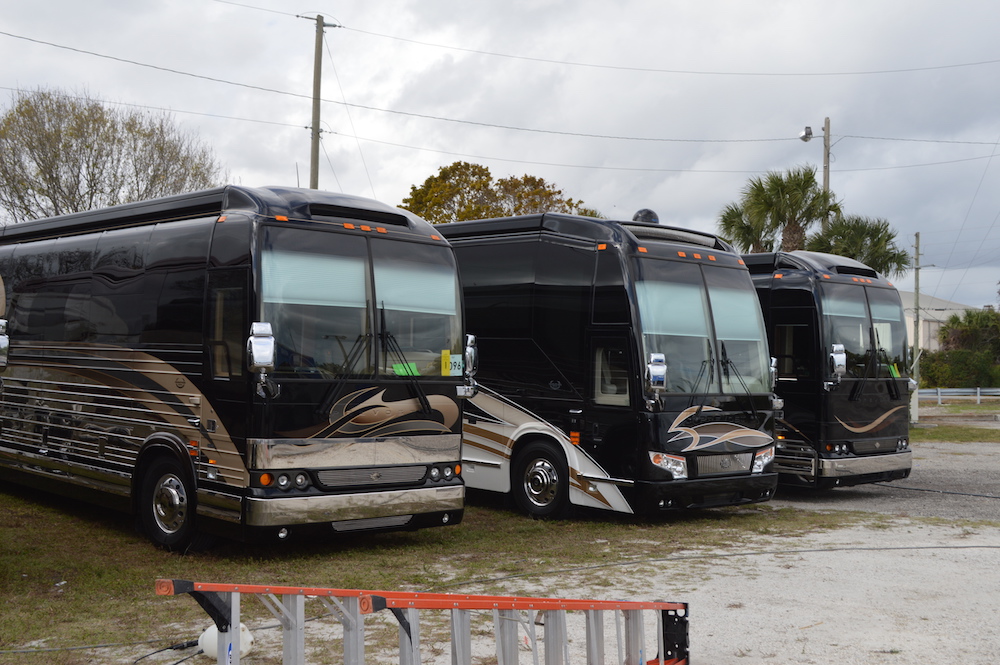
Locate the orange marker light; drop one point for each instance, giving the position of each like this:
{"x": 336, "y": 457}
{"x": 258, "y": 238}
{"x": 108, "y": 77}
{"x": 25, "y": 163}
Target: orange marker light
{"x": 281, "y": 218}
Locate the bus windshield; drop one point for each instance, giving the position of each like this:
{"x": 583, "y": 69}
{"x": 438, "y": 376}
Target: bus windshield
{"x": 708, "y": 326}
{"x": 337, "y": 310}
{"x": 739, "y": 327}
{"x": 889, "y": 325}
{"x": 865, "y": 324}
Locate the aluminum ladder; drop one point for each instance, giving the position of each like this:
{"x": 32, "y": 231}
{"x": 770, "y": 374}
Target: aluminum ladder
{"x": 511, "y": 614}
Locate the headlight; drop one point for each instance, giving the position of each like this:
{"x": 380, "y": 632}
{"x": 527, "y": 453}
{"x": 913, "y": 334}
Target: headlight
{"x": 301, "y": 481}
{"x": 676, "y": 465}
{"x": 435, "y": 473}
{"x": 762, "y": 458}
{"x": 284, "y": 482}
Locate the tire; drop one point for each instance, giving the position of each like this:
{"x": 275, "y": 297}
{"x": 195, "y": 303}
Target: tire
{"x": 540, "y": 481}
{"x": 167, "y": 505}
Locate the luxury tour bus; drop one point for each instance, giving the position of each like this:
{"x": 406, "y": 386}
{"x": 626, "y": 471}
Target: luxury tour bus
{"x": 623, "y": 366}
{"x": 837, "y": 330}
{"x": 253, "y": 363}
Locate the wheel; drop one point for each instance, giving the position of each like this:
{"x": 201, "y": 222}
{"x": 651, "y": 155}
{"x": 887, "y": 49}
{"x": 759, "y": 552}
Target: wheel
{"x": 167, "y": 509}
{"x": 540, "y": 480}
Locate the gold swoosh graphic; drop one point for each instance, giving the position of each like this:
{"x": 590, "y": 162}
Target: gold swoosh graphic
{"x": 868, "y": 428}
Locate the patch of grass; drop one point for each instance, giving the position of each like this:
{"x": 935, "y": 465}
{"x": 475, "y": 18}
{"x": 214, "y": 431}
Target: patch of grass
{"x": 72, "y": 574}
{"x": 955, "y": 434}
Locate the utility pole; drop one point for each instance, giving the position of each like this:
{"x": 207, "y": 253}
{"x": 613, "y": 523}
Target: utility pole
{"x": 317, "y": 78}
{"x": 915, "y": 374}
{"x": 807, "y": 135}
{"x": 826, "y": 169}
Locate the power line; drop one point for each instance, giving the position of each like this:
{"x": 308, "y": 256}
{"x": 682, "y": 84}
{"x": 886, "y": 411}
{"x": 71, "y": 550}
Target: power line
{"x": 652, "y": 70}
{"x": 690, "y": 72}
{"x": 426, "y": 116}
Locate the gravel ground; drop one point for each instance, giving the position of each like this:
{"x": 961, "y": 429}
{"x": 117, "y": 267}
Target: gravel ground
{"x": 906, "y": 594}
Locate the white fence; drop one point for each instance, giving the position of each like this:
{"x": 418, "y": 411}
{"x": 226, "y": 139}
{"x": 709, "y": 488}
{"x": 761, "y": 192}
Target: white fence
{"x": 939, "y": 394}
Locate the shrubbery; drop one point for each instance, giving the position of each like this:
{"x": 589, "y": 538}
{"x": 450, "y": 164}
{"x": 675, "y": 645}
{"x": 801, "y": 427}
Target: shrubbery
{"x": 959, "y": 368}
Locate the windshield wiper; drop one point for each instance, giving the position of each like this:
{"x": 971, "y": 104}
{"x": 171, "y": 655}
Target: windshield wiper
{"x": 360, "y": 346}
{"x": 883, "y": 354}
{"x": 726, "y": 364}
{"x": 390, "y": 345}
{"x": 710, "y": 363}
{"x": 859, "y": 387}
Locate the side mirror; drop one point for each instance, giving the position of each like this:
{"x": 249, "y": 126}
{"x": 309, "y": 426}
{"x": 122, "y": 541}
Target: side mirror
{"x": 4, "y": 344}
{"x": 656, "y": 371}
{"x": 838, "y": 361}
{"x": 471, "y": 358}
{"x": 838, "y": 366}
{"x": 262, "y": 357}
{"x": 774, "y": 372}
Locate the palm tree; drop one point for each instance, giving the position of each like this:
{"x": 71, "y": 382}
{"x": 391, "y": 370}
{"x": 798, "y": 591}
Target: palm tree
{"x": 788, "y": 203}
{"x": 864, "y": 239}
{"x": 746, "y": 234}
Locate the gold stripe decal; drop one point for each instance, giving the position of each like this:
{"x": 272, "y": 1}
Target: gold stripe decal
{"x": 876, "y": 424}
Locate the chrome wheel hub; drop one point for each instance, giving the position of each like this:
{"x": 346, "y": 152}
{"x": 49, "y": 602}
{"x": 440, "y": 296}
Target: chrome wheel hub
{"x": 541, "y": 482}
{"x": 170, "y": 504}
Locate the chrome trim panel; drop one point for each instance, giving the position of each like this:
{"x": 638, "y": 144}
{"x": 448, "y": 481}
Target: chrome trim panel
{"x": 370, "y": 505}
{"x": 860, "y": 466}
{"x": 221, "y": 506}
{"x": 272, "y": 454}
{"x": 625, "y": 482}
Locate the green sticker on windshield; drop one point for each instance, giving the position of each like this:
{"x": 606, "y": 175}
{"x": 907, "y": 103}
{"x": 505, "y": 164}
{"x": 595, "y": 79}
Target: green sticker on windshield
{"x": 405, "y": 369}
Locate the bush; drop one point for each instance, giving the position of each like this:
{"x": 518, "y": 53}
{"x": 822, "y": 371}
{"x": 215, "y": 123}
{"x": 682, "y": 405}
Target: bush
{"x": 959, "y": 368}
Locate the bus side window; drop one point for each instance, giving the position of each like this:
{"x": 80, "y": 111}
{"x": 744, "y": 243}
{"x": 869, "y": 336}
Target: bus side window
{"x": 611, "y": 376}
{"x": 228, "y": 327}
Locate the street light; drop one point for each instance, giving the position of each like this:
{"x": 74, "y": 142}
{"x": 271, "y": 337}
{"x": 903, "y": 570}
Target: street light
{"x": 806, "y": 134}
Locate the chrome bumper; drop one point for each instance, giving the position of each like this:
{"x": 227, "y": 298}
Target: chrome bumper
{"x": 339, "y": 508}
{"x": 862, "y": 466}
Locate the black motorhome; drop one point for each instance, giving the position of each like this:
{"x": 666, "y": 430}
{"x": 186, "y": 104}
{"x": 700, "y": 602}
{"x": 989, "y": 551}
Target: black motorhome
{"x": 837, "y": 330}
{"x": 260, "y": 363}
{"x": 623, "y": 366}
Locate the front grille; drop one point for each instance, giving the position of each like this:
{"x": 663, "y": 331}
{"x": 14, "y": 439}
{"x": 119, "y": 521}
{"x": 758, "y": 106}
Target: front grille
{"x": 370, "y": 477}
{"x": 728, "y": 464}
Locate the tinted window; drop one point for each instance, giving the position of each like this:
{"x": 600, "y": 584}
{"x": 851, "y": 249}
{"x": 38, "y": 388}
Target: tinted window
{"x": 498, "y": 281}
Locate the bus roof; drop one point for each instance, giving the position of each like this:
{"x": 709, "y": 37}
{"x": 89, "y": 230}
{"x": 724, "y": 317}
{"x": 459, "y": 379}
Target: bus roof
{"x": 587, "y": 228}
{"x": 817, "y": 262}
{"x": 291, "y": 202}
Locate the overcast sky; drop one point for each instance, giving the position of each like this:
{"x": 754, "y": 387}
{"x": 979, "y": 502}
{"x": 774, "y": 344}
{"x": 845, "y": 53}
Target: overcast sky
{"x": 664, "y": 104}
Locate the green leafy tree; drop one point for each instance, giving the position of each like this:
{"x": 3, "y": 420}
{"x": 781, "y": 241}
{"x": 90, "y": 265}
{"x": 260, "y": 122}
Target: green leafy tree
{"x": 61, "y": 154}
{"x": 784, "y": 204}
{"x": 462, "y": 191}
{"x": 970, "y": 352}
{"x": 871, "y": 241}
